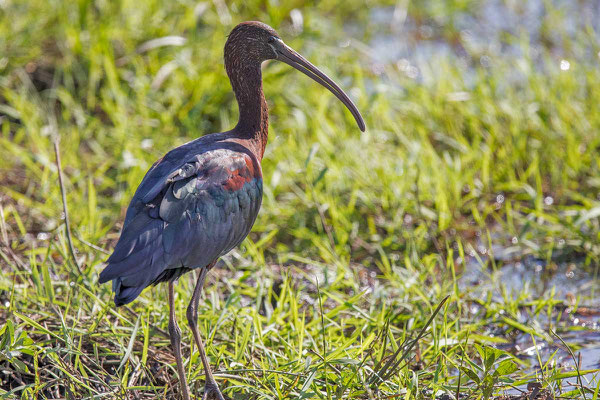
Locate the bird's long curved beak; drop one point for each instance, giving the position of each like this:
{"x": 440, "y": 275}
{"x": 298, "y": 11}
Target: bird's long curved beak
{"x": 291, "y": 57}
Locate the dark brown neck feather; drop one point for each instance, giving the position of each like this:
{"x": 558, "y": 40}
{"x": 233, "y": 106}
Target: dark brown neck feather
{"x": 246, "y": 81}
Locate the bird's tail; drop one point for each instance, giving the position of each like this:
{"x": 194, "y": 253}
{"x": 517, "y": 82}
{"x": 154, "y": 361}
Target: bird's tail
{"x": 137, "y": 260}
{"x": 125, "y": 294}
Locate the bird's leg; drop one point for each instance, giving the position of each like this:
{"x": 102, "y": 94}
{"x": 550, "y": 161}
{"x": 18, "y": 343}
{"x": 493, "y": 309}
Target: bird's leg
{"x": 210, "y": 386}
{"x": 175, "y": 335}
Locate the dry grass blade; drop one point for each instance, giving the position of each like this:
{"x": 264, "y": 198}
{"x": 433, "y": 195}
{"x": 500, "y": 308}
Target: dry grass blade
{"x": 64, "y": 204}
{"x": 579, "y": 381}
{"x": 131, "y": 342}
{"x": 392, "y": 364}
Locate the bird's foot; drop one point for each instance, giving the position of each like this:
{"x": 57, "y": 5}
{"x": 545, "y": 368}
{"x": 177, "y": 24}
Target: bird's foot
{"x": 212, "y": 392}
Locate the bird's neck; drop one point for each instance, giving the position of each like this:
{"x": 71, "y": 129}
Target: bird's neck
{"x": 253, "y": 125}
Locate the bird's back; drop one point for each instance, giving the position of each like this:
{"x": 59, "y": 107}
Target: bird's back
{"x": 195, "y": 204}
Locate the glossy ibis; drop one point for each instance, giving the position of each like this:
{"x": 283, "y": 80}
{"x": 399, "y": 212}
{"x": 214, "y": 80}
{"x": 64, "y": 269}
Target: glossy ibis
{"x": 201, "y": 199}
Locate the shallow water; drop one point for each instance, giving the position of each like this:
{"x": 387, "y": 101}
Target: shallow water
{"x": 578, "y": 326}
{"x": 570, "y": 281}
{"x": 495, "y": 29}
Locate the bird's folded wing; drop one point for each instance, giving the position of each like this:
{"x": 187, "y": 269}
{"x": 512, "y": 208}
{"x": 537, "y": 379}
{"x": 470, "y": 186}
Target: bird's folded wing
{"x": 186, "y": 215}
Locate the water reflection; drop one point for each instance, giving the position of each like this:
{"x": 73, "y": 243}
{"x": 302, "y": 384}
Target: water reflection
{"x": 492, "y": 29}
{"x": 575, "y": 310}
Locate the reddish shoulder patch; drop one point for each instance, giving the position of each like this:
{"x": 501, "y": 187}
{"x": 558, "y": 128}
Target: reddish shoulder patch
{"x": 239, "y": 176}
{"x": 253, "y": 167}
{"x": 235, "y": 182}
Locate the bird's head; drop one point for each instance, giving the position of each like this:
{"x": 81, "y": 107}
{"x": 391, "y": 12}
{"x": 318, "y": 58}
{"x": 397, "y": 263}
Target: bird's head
{"x": 252, "y": 41}
{"x": 255, "y": 42}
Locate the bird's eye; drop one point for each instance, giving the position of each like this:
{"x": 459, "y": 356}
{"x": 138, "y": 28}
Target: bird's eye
{"x": 271, "y": 39}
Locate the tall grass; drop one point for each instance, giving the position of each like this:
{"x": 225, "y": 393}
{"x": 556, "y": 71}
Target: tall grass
{"x": 360, "y": 235}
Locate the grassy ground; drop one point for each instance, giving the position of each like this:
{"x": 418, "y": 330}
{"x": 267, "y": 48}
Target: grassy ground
{"x": 476, "y": 157}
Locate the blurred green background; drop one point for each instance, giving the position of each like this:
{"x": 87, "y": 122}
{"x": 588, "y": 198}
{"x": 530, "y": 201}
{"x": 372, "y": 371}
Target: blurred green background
{"x": 478, "y": 178}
